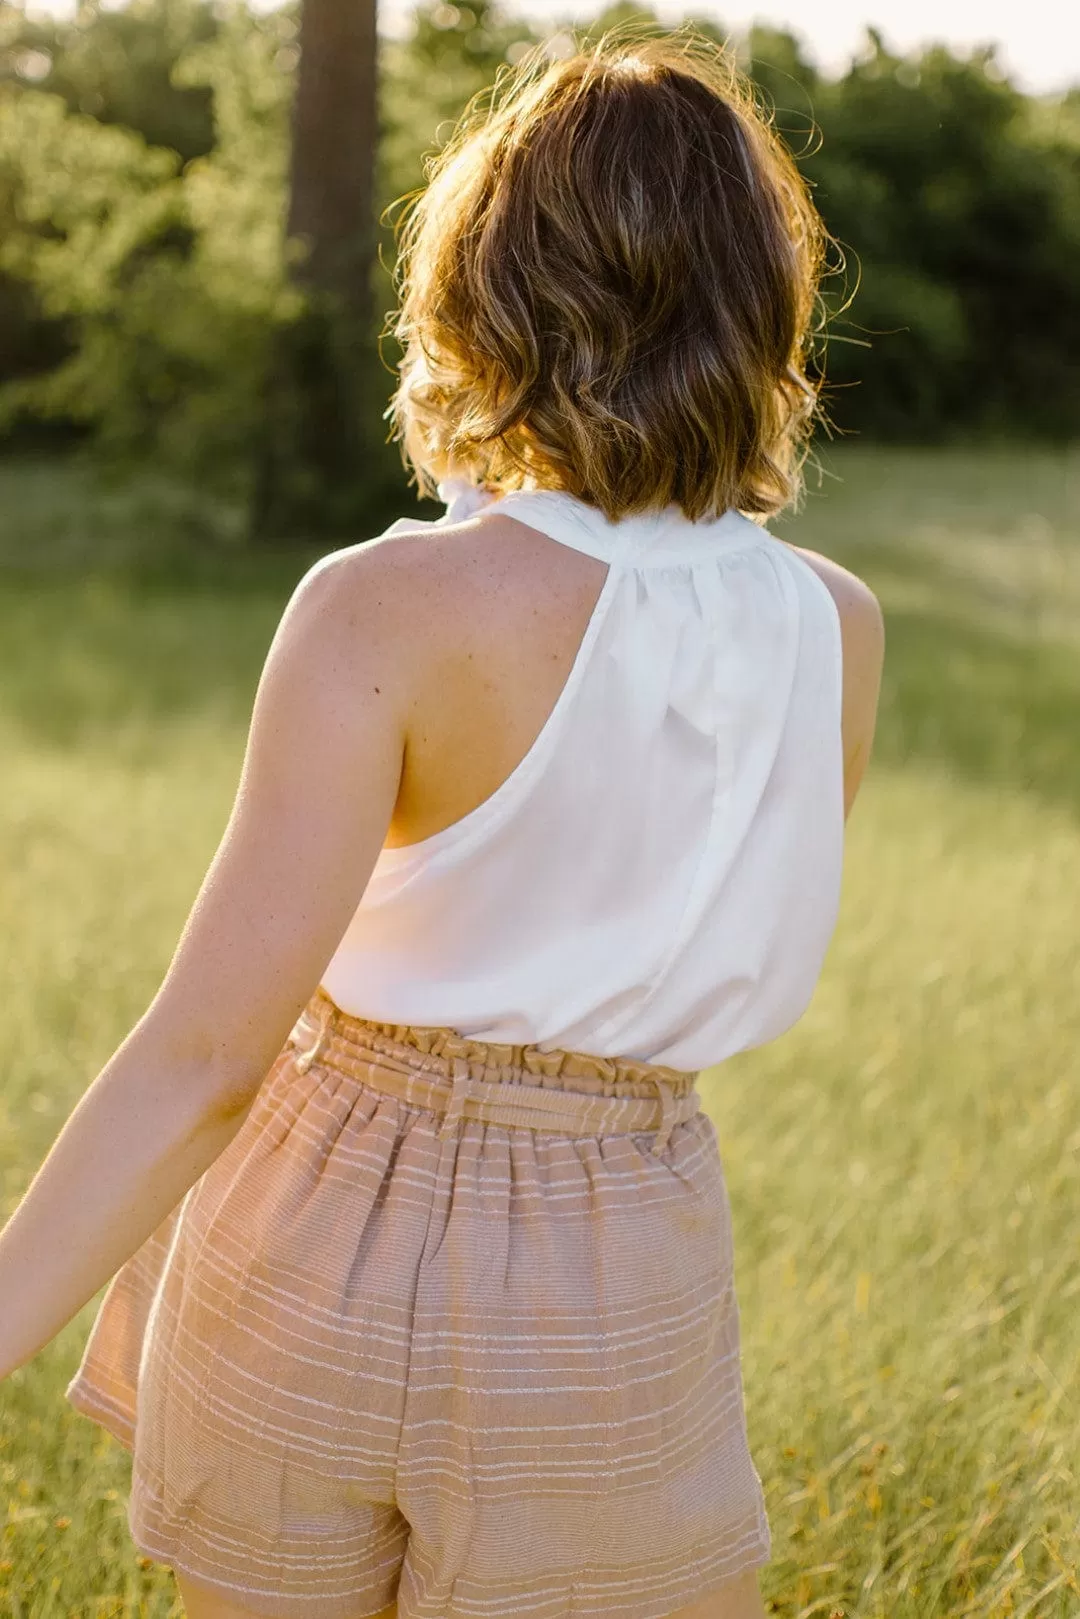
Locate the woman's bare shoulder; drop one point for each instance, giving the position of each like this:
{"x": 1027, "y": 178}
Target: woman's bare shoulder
{"x": 852, "y": 595}
{"x": 437, "y": 591}
{"x": 417, "y": 575}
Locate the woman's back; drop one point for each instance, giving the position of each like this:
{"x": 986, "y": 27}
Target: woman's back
{"x": 622, "y": 832}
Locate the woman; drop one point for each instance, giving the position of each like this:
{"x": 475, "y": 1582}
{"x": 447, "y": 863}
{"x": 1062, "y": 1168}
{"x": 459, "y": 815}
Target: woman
{"x": 422, "y": 1293}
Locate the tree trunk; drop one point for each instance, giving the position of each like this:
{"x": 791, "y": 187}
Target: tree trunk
{"x": 334, "y": 133}
{"x": 310, "y": 474}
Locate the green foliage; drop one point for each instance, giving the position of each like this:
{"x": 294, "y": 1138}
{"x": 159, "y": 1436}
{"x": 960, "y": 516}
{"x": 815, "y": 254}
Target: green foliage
{"x": 961, "y": 203}
{"x": 86, "y": 211}
{"x": 117, "y": 65}
{"x": 143, "y": 279}
{"x": 172, "y": 278}
{"x": 453, "y": 52}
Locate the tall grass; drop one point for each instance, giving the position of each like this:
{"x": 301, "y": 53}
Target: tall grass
{"x": 904, "y": 1164}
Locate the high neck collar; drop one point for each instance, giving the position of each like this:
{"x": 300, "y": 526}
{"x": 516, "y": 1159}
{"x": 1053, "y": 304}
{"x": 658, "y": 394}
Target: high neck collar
{"x": 575, "y": 522}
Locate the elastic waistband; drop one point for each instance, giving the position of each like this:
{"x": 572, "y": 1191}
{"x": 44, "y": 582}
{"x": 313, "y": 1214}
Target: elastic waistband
{"x": 521, "y": 1086}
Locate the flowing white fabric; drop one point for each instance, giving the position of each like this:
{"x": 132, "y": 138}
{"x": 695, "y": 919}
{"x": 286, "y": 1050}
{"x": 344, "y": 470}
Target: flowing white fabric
{"x": 660, "y": 875}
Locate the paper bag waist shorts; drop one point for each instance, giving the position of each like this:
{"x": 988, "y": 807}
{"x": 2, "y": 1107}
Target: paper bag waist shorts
{"x": 447, "y": 1322}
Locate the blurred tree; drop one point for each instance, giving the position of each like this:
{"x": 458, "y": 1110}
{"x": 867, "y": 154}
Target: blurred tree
{"x": 961, "y": 210}
{"x": 82, "y": 204}
{"x": 311, "y": 462}
{"x": 450, "y": 54}
{"x": 161, "y": 286}
{"x": 117, "y": 65}
{"x": 145, "y": 287}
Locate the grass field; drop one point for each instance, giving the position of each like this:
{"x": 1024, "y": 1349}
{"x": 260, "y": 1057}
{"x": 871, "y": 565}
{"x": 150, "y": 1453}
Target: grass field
{"x": 904, "y": 1165}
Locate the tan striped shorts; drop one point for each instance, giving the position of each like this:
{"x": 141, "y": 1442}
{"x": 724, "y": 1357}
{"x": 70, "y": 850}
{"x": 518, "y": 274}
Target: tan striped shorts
{"x": 447, "y": 1321}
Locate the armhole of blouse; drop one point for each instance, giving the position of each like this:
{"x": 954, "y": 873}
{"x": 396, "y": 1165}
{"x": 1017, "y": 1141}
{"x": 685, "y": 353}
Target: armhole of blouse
{"x": 461, "y": 835}
{"x": 836, "y": 658}
{"x": 832, "y": 613}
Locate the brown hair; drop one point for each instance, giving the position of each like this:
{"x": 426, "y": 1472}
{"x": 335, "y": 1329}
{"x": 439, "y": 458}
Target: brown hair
{"x": 607, "y": 286}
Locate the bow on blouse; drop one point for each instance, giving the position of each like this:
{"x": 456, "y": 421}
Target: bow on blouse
{"x": 463, "y": 499}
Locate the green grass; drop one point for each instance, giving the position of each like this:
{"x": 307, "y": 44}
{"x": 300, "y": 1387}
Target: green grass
{"x": 904, "y": 1164}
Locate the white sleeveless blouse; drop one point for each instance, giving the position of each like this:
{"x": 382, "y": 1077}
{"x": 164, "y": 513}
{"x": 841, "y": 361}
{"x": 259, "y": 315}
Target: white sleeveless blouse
{"x": 660, "y": 876}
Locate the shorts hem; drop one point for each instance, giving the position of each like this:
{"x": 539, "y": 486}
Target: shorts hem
{"x": 90, "y": 1402}
{"x": 590, "y": 1596}
{"x": 260, "y": 1603}
{"x": 153, "y": 1537}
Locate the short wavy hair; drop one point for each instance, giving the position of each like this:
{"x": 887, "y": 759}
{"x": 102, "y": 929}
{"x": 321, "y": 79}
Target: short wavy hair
{"x": 608, "y": 285}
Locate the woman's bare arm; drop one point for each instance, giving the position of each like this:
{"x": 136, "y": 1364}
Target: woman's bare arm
{"x": 315, "y": 799}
